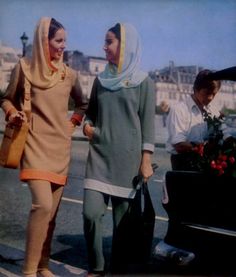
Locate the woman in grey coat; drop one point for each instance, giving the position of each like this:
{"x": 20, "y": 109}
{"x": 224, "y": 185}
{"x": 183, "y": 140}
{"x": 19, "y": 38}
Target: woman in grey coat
{"x": 120, "y": 126}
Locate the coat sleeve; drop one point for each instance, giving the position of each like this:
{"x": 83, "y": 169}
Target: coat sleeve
{"x": 80, "y": 101}
{"x": 91, "y": 113}
{"x": 10, "y": 100}
{"x": 147, "y": 114}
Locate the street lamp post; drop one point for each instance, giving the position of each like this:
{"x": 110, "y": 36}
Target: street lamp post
{"x": 24, "y": 40}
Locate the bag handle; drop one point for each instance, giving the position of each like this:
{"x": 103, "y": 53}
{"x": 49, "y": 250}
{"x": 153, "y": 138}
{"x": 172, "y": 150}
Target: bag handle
{"x": 142, "y": 187}
{"x": 27, "y": 99}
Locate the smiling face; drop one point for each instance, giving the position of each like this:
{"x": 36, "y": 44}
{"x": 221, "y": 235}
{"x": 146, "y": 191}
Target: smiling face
{"x": 112, "y": 48}
{"x": 57, "y": 45}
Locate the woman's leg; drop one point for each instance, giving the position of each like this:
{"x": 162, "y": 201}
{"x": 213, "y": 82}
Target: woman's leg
{"x": 43, "y": 266}
{"x": 120, "y": 239}
{"x": 38, "y": 223}
{"x": 95, "y": 205}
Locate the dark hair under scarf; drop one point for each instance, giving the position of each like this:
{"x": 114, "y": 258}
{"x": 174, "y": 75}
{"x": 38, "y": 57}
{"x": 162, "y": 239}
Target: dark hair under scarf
{"x": 116, "y": 30}
{"x": 53, "y": 28}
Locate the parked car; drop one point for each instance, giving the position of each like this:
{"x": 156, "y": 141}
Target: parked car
{"x": 205, "y": 207}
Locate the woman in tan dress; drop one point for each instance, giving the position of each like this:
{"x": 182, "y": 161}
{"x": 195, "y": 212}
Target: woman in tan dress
{"x": 44, "y": 165}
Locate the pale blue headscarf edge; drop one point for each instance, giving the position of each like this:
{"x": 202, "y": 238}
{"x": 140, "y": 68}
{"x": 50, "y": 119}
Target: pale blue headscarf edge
{"x": 131, "y": 75}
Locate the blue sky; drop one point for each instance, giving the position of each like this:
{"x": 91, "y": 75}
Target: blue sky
{"x": 188, "y": 32}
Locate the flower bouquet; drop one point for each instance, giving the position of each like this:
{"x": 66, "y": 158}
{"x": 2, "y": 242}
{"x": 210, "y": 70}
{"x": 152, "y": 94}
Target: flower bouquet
{"x": 216, "y": 156}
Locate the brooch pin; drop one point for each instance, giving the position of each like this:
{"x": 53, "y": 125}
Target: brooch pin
{"x": 63, "y": 75}
{"x": 126, "y": 82}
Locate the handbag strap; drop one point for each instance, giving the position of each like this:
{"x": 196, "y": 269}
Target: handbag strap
{"x": 27, "y": 99}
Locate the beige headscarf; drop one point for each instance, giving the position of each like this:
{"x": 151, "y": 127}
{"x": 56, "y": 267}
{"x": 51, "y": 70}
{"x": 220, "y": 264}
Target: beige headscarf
{"x": 40, "y": 70}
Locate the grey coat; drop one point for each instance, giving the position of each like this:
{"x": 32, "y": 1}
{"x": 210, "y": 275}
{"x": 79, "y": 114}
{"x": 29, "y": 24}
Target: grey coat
{"x": 124, "y": 126}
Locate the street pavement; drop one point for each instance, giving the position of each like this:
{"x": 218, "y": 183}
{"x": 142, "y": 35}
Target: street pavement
{"x": 11, "y": 256}
{"x": 68, "y": 257}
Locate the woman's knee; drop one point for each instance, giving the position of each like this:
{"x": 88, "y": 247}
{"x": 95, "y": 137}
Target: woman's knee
{"x": 42, "y": 199}
{"x": 42, "y": 208}
{"x": 94, "y": 205}
{"x": 92, "y": 215}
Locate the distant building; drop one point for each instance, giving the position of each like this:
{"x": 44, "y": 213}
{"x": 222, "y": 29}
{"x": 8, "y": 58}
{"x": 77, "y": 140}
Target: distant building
{"x": 8, "y": 59}
{"x": 96, "y": 65}
{"x": 88, "y": 66}
{"x": 76, "y": 60}
{"x": 85, "y": 64}
{"x": 174, "y": 83}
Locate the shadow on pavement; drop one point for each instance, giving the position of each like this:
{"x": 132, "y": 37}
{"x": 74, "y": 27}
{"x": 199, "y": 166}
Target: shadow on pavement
{"x": 208, "y": 262}
{"x": 11, "y": 261}
{"x": 73, "y": 261}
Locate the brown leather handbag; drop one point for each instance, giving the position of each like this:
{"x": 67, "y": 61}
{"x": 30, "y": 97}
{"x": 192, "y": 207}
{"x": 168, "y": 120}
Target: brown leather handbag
{"x": 14, "y": 138}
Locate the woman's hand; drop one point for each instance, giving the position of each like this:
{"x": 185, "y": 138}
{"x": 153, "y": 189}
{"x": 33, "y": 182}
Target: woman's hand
{"x": 17, "y": 118}
{"x": 146, "y": 169}
{"x": 88, "y": 131}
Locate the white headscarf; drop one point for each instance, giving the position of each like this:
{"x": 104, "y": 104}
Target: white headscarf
{"x": 127, "y": 74}
{"x": 40, "y": 70}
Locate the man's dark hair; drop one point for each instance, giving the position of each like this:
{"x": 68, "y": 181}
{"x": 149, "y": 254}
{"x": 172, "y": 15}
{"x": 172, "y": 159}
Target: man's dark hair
{"x": 203, "y": 81}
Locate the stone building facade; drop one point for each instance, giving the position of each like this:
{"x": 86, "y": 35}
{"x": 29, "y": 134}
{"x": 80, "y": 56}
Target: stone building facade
{"x": 172, "y": 83}
{"x": 8, "y": 58}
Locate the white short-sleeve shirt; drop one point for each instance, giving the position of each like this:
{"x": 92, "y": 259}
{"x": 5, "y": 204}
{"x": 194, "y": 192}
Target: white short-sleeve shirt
{"x": 185, "y": 122}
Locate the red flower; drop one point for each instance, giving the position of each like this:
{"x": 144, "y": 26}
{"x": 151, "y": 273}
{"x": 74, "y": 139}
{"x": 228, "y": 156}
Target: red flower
{"x": 221, "y": 172}
{"x": 232, "y": 160}
{"x": 199, "y": 149}
{"x": 213, "y": 164}
{"x": 224, "y": 164}
{"x": 216, "y": 156}
{"x": 223, "y": 157}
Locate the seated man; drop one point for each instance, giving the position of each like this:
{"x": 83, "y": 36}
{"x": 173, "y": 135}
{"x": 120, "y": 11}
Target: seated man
{"x": 187, "y": 128}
